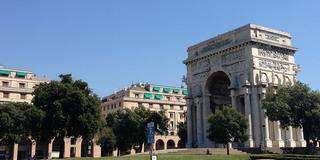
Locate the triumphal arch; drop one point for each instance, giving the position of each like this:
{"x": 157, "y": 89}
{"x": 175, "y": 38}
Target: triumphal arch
{"x": 236, "y": 68}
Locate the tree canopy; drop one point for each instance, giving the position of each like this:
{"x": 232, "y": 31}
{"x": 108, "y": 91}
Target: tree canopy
{"x": 182, "y": 132}
{"x": 226, "y": 126}
{"x": 70, "y": 107}
{"x": 18, "y": 120}
{"x": 130, "y": 126}
{"x": 297, "y": 106}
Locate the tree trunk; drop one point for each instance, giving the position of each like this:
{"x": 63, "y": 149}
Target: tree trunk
{"x": 61, "y": 147}
{"x": 228, "y": 149}
{"x": 84, "y": 148}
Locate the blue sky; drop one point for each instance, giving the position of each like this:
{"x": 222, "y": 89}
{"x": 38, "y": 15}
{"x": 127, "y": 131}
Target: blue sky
{"x": 112, "y": 43}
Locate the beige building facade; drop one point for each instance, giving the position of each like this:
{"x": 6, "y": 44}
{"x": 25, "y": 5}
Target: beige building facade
{"x": 169, "y": 99}
{"x": 17, "y": 85}
{"x": 236, "y": 68}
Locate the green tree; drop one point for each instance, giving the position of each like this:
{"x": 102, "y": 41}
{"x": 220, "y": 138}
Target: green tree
{"x": 297, "y": 106}
{"x": 182, "y": 132}
{"x": 107, "y": 141}
{"x": 145, "y": 116}
{"x": 130, "y": 126}
{"x": 17, "y": 120}
{"x": 126, "y": 127}
{"x": 226, "y": 126}
{"x": 71, "y": 109}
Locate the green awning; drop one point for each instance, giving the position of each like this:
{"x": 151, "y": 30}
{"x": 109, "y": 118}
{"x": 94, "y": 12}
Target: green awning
{"x": 21, "y": 74}
{"x": 148, "y": 96}
{"x": 157, "y": 89}
{"x": 5, "y": 72}
{"x": 158, "y": 96}
{"x": 176, "y": 90}
{"x": 185, "y": 92}
{"x": 167, "y": 90}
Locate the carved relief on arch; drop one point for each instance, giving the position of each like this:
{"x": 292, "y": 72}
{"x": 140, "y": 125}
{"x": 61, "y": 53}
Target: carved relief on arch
{"x": 287, "y": 81}
{"x": 264, "y": 78}
{"x": 276, "y": 80}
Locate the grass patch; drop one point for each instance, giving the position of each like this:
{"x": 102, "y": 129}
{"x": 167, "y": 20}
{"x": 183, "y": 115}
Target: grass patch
{"x": 172, "y": 157}
{"x": 285, "y": 157}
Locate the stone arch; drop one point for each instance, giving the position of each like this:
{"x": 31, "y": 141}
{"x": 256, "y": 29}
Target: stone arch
{"x": 159, "y": 144}
{"x": 217, "y": 87}
{"x": 170, "y": 144}
{"x": 24, "y": 149}
{"x": 56, "y": 148}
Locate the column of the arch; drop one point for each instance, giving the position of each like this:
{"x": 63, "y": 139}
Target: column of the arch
{"x": 189, "y": 123}
{"x": 256, "y": 117}
{"x": 247, "y": 100}
{"x": 267, "y": 140}
{"x": 265, "y": 120}
{"x": 289, "y": 138}
{"x": 199, "y": 123}
{"x": 278, "y": 138}
{"x": 206, "y": 114}
{"x": 301, "y": 141}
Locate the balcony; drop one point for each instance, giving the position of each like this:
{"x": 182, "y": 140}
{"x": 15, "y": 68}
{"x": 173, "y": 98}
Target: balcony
{"x": 16, "y": 89}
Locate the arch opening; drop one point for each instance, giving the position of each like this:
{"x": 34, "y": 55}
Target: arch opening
{"x": 24, "y": 149}
{"x": 217, "y": 86}
{"x": 159, "y": 144}
{"x": 170, "y": 144}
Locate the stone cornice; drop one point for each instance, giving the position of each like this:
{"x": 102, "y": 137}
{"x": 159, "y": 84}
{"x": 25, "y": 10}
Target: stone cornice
{"x": 237, "y": 46}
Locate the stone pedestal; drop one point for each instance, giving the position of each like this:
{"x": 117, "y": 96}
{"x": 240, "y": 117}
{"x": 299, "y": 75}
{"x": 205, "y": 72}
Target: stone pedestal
{"x": 33, "y": 148}
{"x": 15, "y": 151}
{"x": 67, "y": 142}
{"x": 115, "y": 153}
{"x": 50, "y": 149}
{"x": 96, "y": 150}
{"x": 78, "y": 147}
{"x": 289, "y": 138}
{"x": 278, "y": 139}
{"x": 301, "y": 142}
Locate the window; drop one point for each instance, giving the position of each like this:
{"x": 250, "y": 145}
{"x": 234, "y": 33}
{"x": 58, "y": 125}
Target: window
{"x": 182, "y": 116}
{"x": 171, "y": 106}
{"x": 172, "y": 133}
{"x": 150, "y": 105}
{"x": 136, "y": 95}
{"x": 140, "y": 104}
{"x": 171, "y": 114}
{"x": 161, "y": 107}
{"x": 22, "y": 85}
{"x": 181, "y": 107}
{"x": 171, "y": 125}
{"x": 5, "y": 95}
{"x": 22, "y": 96}
{"x": 73, "y": 141}
{"x": 5, "y": 84}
